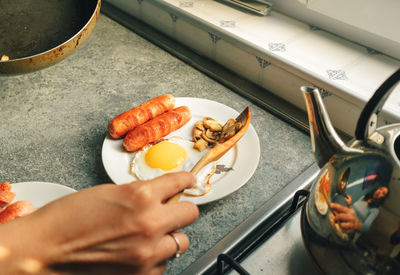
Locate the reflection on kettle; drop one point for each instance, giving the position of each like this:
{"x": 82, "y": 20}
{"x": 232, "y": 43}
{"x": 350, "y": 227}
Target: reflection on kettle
{"x": 351, "y": 221}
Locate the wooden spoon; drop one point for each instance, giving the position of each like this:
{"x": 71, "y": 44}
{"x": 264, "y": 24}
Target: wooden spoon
{"x": 220, "y": 149}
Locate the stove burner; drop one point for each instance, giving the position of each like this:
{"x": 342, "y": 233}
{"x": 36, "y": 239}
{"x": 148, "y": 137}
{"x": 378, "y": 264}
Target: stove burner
{"x": 226, "y": 262}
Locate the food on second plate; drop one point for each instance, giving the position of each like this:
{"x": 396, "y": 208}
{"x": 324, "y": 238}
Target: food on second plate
{"x": 209, "y": 132}
{"x": 136, "y": 116}
{"x": 14, "y": 210}
{"x": 156, "y": 128}
{"x": 6, "y": 195}
{"x": 172, "y": 155}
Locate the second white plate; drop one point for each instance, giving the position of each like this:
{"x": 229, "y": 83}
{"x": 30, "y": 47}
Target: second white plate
{"x": 39, "y": 193}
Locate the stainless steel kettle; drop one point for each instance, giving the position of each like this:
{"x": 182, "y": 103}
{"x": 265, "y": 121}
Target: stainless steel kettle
{"x": 351, "y": 220}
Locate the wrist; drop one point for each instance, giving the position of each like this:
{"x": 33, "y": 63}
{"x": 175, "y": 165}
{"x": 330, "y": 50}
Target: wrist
{"x": 23, "y": 249}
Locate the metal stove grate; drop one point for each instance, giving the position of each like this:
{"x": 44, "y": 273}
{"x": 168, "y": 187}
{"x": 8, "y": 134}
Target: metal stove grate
{"x": 229, "y": 261}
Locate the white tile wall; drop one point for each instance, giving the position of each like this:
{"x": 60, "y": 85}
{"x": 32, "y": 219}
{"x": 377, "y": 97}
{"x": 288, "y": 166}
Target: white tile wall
{"x": 274, "y": 78}
{"x": 238, "y": 60}
{"x": 346, "y": 116}
{"x": 277, "y": 52}
{"x": 199, "y": 39}
{"x": 155, "y": 15}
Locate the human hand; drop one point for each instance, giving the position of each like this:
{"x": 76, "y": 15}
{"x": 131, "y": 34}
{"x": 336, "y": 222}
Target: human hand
{"x": 347, "y": 199}
{"x": 345, "y": 218}
{"x": 106, "y": 229}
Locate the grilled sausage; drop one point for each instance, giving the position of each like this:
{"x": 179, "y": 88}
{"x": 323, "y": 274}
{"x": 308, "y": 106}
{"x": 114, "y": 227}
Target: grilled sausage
{"x": 5, "y": 186}
{"x": 156, "y": 128}
{"x": 6, "y": 195}
{"x": 127, "y": 121}
{"x": 16, "y": 210}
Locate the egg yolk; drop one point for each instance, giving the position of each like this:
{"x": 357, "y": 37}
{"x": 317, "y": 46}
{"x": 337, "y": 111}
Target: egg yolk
{"x": 166, "y": 156}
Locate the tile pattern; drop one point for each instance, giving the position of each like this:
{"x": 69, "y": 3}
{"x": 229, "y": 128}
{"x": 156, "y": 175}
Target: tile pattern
{"x": 372, "y": 51}
{"x": 227, "y": 24}
{"x": 263, "y": 63}
{"x": 174, "y": 17}
{"x": 336, "y": 74}
{"x": 186, "y": 4}
{"x": 314, "y": 28}
{"x": 214, "y": 38}
{"x": 324, "y": 93}
{"x": 277, "y": 47}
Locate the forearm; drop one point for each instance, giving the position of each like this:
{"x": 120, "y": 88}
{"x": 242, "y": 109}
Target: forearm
{"x": 23, "y": 250}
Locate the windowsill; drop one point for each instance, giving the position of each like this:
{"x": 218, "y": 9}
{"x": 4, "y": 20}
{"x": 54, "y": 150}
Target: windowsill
{"x": 276, "y": 52}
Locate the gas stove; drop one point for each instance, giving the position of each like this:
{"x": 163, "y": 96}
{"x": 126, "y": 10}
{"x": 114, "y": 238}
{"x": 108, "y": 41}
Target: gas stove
{"x": 282, "y": 253}
{"x": 267, "y": 242}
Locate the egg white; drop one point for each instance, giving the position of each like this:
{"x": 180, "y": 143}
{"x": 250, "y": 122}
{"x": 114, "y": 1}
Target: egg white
{"x": 143, "y": 171}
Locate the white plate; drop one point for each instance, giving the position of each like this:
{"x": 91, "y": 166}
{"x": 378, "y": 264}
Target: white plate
{"x": 243, "y": 158}
{"x": 39, "y": 193}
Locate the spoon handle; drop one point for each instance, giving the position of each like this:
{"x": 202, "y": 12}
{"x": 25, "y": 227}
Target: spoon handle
{"x": 218, "y": 151}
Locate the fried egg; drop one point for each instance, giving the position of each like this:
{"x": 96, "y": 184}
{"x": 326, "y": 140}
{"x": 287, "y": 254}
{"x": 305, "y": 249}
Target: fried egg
{"x": 172, "y": 155}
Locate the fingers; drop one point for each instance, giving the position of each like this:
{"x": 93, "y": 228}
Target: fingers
{"x": 159, "y": 189}
{"x": 338, "y": 207}
{"x": 347, "y": 199}
{"x": 174, "y": 216}
{"x": 347, "y": 227}
{"x": 168, "y": 248}
{"x": 169, "y": 184}
{"x": 343, "y": 217}
{"x": 179, "y": 215}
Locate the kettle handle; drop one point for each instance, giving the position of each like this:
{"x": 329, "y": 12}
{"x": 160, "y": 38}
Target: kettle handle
{"x": 367, "y": 121}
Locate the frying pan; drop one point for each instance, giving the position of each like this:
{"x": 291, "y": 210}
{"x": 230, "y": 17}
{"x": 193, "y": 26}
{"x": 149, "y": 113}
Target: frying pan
{"x": 35, "y": 34}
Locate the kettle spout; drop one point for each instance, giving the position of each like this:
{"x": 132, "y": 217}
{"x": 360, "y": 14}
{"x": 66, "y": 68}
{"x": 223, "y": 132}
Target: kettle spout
{"x": 324, "y": 139}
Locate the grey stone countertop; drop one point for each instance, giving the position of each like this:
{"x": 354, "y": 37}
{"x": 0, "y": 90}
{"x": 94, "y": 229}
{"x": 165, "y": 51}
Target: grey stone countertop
{"x": 54, "y": 121}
